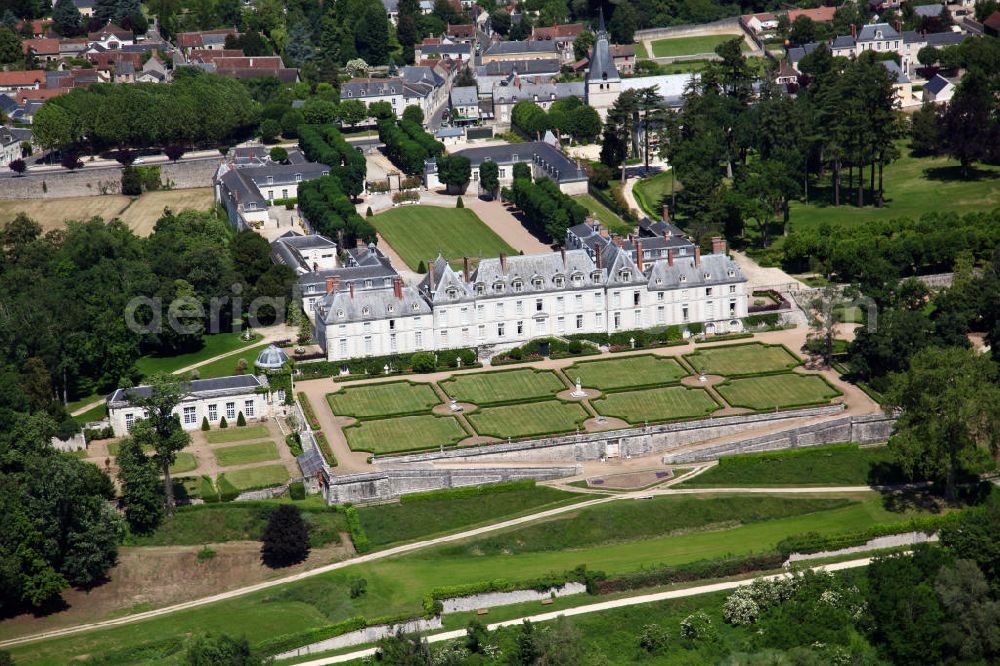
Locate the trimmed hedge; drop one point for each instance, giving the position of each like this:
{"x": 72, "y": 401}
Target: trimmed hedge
{"x": 358, "y": 536}
{"x": 685, "y": 573}
{"x": 307, "y": 409}
{"x": 360, "y": 368}
{"x": 407, "y": 145}
{"x": 769, "y": 319}
{"x": 207, "y": 490}
{"x": 645, "y": 338}
{"x": 470, "y": 491}
{"x": 547, "y": 210}
{"x": 723, "y": 338}
{"x": 327, "y": 206}
{"x": 531, "y": 351}
{"x": 811, "y": 542}
{"x": 325, "y": 144}
{"x": 297, "y": 490}
{"x": 227, "y": 491}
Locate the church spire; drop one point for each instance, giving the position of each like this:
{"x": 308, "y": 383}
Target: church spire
{"x": 600, "y": 25}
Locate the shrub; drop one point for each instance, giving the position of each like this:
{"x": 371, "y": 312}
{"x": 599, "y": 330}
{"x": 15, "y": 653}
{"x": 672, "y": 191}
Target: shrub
{"x": 421, "y": 267}
{"x": 205, "y": 554}
{"x": 324, "y": 448}
{"x": 227, "y": 491}
{"x": 422, "y": 362}
{"x": 223, "y": 423}
{"x": 358, "y": 587}
{"x": 459, "y": 203}
{"x": 204, "y": 424}
{"x": 207, "y": 490}
{"x": 297, "y": 490}
{"x": 131, "y": 181}
{"x": 241, "y": 367}
{"x": 358, "y": 536}
{"x": 697, "y": 626}
{"x": 285, "y": 540}
{"x": 653, "y": 638}
{"x": 369, "y": 213}
{"x": 240, "y": 420}
{"x": 307, "y": 409}
{"x": 278, "y": 154}
{"x": 294, "y": 442}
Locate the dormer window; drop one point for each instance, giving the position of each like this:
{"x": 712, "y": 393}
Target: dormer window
{"x": 537, "y": 283}
{"x": 596, "y": 277}
{"x": 452, "y": 293}
{"x": 392, "y": 308}
{"x": 708, "y": 276}
{"x": 498, "y": 287}
{"x": 560, "y": 282}
{"x": 340, "y": 313}
{"x": 366, "y": 311}
{"x": 623, "y": 275}
{"x": 298, "y": 178}
{"x": 659, "y": 281}
{"x": 518, "y": 285}
{"x": 480, "y": 289}
{"x": 684, "y": 278}
{"x": 415, "y": 307}
{"x": 732, "y": 273}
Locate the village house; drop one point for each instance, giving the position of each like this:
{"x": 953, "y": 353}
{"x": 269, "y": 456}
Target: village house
{"x": 519, "y": 50}
{"x": 544, "y": 158}
{"x": 562, "y": 36}
{"x": 938, "y": 90}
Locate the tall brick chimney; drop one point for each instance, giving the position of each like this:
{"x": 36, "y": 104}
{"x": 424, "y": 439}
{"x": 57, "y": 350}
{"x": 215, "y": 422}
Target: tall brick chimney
{"x": 359, "y": 243}
{"x": 697, "y": 255}
{"x": 638, "y": 254}
{"x": 397, "y": 287}
{"x": 562, "y": 251}
{"x": 430, "y": 274}
{"x": 600, "y": 259}
{"x": 670, "y": 257}
{"x": 350, "y": 285}
{"x": 854, "y": 31}
{"x": 465, "y": 268}
{"x": 718, "y": 245}
{"x": 329, "y": 285}
{"x": 666, "y": 213}
{"x": 503, "y": 263}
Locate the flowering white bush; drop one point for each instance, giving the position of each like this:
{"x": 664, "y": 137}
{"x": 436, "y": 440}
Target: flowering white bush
{"x": 740, "y": 609}
{"x": 697, "y": 626}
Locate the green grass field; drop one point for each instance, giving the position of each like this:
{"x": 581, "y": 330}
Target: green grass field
{"x": 420, "y": 233}
{"x": 486, "y": 388}
{"x": 258, "y": 477}
{"x": 403, "y": 522}
{"x": 616, "y": 373}
{"x": 381, "y": 400}
{"x": 244, "y": 454}
{"x": 657, "y": 404}
{"x": 225, "y": 367}
{"x": 649, "y": 191}
{"x": 640, "y": 51}
{"x": 404, "y": 433}
{"x": 840, "y": 464}
{"x": 743, "y": 359}
{"x": 528, "y": 419}
{"x": 238, "y": 521}
{"x": 232, "y": 434}
{"x": 682, "y": 46}
{"x": 98, "y": 413}
{"x": 605, "y": 215}
{"x": 213, "y": 345}
{"x": 777, "y": 391}
{"x": 183, "y": 462}
{"x": 397, "y": 585}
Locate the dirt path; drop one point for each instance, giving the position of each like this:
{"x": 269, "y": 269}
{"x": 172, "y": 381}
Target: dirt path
{"x": 348, "y": 461}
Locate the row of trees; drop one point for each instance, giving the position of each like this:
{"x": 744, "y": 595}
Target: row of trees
{"x": 195, "y": 109}
{"x": 330, "y": 211}
{"x": 407, "y": 144}
{"x": 567, "y": 117}
{"x": 325, "y": 144}
{"x": 546, "y": 209}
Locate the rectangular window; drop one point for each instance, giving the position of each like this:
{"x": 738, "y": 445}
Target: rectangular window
{"x": 230, "y": 410}
{"x": 579, "y": 321}
{"x": 684, "y": 313}
{"x": 500, "y": 330}
{"x": 520, "y": 328}
{"x": 732, "y": 289}
{"x": 635, "y": 298}
{"x": 708, "y": 291}
{"x": 392, "y": 324}
{"x": 599, "y": 319}
{"x": 129, "y": 421}
{"x": 482, "y": 332}
{"x": 661, "y": 315}
{"x": 732, "y": 308}
{"x": 465, "y": 315}
{"x": 519, "y": 307}
{"x": 538, "y": 305}
{"x": 618, "y": 320}
{"x": 579, "y": 302}
{"x": 213, "y": 412}
{"x": 343, "y": 347}
{"x": 368, "y": 345}
{"x": 561, "y": 324}
{"x": 616, "y": 298}
{"x": 500, "y": 311}
{"x": 638, "y": 318}
{"x": 560, "y": 304}
{"x": 418, "y": 339}
{"x": 248, "y": 408}
{"x": 392, "y": 341}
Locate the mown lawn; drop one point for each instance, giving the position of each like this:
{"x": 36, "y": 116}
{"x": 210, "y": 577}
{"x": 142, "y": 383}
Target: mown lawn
{"x": 605, "y": 215}
{"x": 98, "y": 413}
{"x": 232, "y": 434}
{"x": 487, "y": 388}
{"x": 420, "y": 233}
{"x": 649, "y": 191}
{"x": 616, "y": 373}
{"x": 397, "y": 585}
{"x": 404, "y": 433}
{"x": 381, "y": 400}
{"x": 666, "y": 403}
{"x": 742, "y": 359}
{"x": 840, "y": 464}
{"x": 547, "y": 417}
{"x": 403, "y": 522}
{"x": 244, "y": 454}
{"x": 184, "y": 462}
{"x": 226, "y": 367}
{"x": 257, "y": 477}
{"x": 777, "y": 391}
{"x": 681, "y": 46}
{"x": 213, "y": 345}
{"x": 238, "y": 521}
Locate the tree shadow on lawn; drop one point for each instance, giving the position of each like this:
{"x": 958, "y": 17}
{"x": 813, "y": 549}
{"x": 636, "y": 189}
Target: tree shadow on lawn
{"x": 519, "y": 216}
{"x": 972, "y": 490}
{"x": 821, "y": 196}
{"x": 954, "y": 173}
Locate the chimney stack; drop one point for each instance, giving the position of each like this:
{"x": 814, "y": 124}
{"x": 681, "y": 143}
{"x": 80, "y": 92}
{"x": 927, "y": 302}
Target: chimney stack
{"x": 854, "y": 31}
{"x": 718, "y": 245}
{"x": 600, "y": 262}
{"x": 697, "y": 255}
{"x": 350, "y": 286}
{"x": 638, "y": 254}
{"x": 562, "y": 251}
{"x": 359, "y": 243}
{"x": 329, "y": 285}
{"x": 670, "y": 257}
{"x": 430, "y": 274}
{"x": 465, "y": 268}
{"x": 503, "y": 263}
{"x": 666, "y": 213}
{"x": 397, "y": 287}
{"x": 604, "y": 233}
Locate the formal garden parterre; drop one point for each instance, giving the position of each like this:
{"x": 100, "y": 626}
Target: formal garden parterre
{"x": 528, "y": 402}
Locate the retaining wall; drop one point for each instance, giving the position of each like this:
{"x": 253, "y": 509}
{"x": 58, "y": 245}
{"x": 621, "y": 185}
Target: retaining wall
{"x": 492, "y": 599}
{"x": 391, "y": 483}
{"x": 722, "y": 26}
{"x": 105, "y": 180}
{"x": 860, "y": 429}
{"x": 362, "y": 636}
{"x": 630, "y": 442}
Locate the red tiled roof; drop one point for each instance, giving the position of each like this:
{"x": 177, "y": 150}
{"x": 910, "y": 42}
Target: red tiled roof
{"x": 39, "y": 95}
{"x": 247, "y": 62}
{"x": 116, "y": 30}
{"x": 187, "y": 40}
{"x": 557, "y": 31}
{"x": 26, "y": 78}
{"x": 41, "y": 47}
{"x": 819, "y": 14}
{"x": 993, "y": 21}
{"x": 462, "y": 30}
{"x": 208, "y": 55}
{"x": 622, "y": 50}
{"x": 762, "y": 17}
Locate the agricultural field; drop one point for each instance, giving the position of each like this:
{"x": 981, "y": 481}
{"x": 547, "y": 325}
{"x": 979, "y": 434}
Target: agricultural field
{"x": 487, "y": 388}
{"x": 668, "y": 403}
{"x": 142, "y": 215}
{"x": 382, "y": 400}
{"x": 743, "y": 359}
{"x": 404, "y": 433}
{"x": 528, "y": 419}
{"x": 685, "y": 46}
{"x": 244, "y": 454}
{"x": 777, "y": 391}
{"x": 627, "y": 371}
{"x": 420, "y": 233}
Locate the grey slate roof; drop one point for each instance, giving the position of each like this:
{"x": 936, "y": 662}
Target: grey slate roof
{"x": 341, "y": 307}
{"x": 515, "y": 47}
{"x": 898, "y": 74}
{"x": 522, "y": 67}
{"x": 928, "y": 11}
{"x": 283, "y": 174}
{"x": 528, "y": 269}
{"x": 843, "y": 42}
{"x": 602, "y": 63}
{"x": 538, "y": 152}
{"x": 946, "y": 38}
{"x": 714, "y": 269}
{"x": 195, "y": 389}
{"x": 379, "y": 271}
{"x": 464, "y": 96}
{"x": 526, "y": 90}
{"x": 286, "y": 249}
{"x": 310, "y": 462}
{"x": 936, "y": 84}
{"x": 797, "y": 53}
{"x": 446, "y": 49}
{"x": 871, "y": 32}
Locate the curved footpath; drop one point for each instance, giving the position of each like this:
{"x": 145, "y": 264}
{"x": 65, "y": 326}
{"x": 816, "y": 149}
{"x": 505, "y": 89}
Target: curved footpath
{"x": 411, "y": 547}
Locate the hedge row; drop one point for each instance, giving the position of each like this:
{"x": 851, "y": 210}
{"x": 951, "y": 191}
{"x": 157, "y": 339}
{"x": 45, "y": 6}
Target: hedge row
{"x": 416, "y": 132}
{"x": 207, "y": 490}
{"x": 326, "y": 145}
{"x": 307, "y": 409}
{"x": 685, "y": 573}
{"x": 531, "y": 350}
{"x": 358, "y": 536}
{"x": 812, "y": 542}
{"x": 644, "y": 337}
{"x": 547, "y": 210}
{"x": 769, "y": 319}
{"x": 470, "y": 491}
{"x": 406, "y": 147}
{"x": 324, "y": 448}
{"x": 724, "y": 337}
{"x": 421, "y": 362}
{"x": 325, "y": 203}
{"x": 227, "y": 491}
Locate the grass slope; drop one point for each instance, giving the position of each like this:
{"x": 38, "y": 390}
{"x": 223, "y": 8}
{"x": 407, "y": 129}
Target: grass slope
{"x": 841, "y": 464}
{"x": 616, "y": 373}
{"x": 419, "y": 233}
{"x": 213, "y": 345}
{"x": 777, "y": 391}
{"x": 224, "y": 367}
{"x": 604, "y": 215}
{"x": 487, "y": 388}
{"x": 244, "y": 454}
{"x": 681, "y": 46}
{"x": 649, "y": 191}
{"x": 232, "y": 434}
{"x": 381, "y": 400}
{"x": 666, "y": 403}
{"x": 404, "y": 433}
{"x": 742, "y": 359}
{"x": 404, "y": 522}
{"x": 528, "y": 419}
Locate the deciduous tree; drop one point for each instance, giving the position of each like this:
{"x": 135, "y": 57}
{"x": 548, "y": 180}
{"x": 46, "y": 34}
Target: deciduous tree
{"x": 285, "y": 540}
